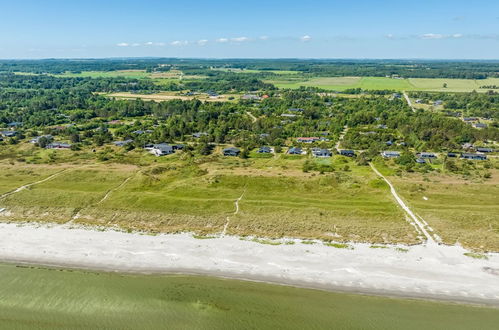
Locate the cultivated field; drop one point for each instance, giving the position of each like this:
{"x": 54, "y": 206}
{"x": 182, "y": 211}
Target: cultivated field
{"x": 380, "y": 83}
{"x": 166, "y": 96}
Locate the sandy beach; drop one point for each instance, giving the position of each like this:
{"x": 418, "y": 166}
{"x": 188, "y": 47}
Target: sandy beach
{"x": 424, "y": 271}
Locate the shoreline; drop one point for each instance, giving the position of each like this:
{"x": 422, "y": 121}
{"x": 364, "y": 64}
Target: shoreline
{"x": 425, "y": 272}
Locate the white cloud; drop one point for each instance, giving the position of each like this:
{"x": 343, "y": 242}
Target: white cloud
{"x": 149, "y": 43}
{"x": 457, "y": 35}
{"x": 239, "y": 39}
{"x": 202, "y": 42}
{"x": 432, "y": 36}
{"x": 179, "y": 43}
{"x": 390, "y": 36}
{"x": 306, "y": 38}
{"x": 264, "y": 38}
{"x": 122, "y": 44}
{"x": 222, "y": 40}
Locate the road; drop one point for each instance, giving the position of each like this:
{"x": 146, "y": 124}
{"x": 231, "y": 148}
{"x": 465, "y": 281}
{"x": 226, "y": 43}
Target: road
{"x": 342, "y": 135}
{"x": 409, "y": 102}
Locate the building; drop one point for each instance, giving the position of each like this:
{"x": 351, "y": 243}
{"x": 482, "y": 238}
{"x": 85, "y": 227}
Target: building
{"x": 252, "y": 97}
{"x": 122, "y": 143}
{"x": 438, "y": 102}
{"x": 420, "y": 160}
{"x": 473, "y": 156}
{"x": 199, "y": 134}
{"x": 318, "y": 152}
{"x": 231, "y": 151}
{"x": 486, "y": 150}
{"x": 288, "y": 115}
{"x": 58, "y": 145}
{"x": 390, "y": 154}
{"x": 382, "y": 126}
{"x": 295, "y": 110}
{"x": 8, "y": 133}
{"x": 295, "y": 151}
{"x": 480, "y": 125}
{"x": 36, "y": 139}
{"x": 308, "y": 139}
{"x": 161, "y": 149}
{"x": 427, "y": 155}
{"x": 178, "y": 146}
{"x": 348, "y": 153}
{"x": 452, "y": 154}
{"x": 264, "y": 150}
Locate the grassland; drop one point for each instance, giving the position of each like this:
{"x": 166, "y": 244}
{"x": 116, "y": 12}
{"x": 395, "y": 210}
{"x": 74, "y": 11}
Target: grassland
{"x": 45, "y": 298}
{"x": 165, "y": 96}
{"x": 459, "y": 211}
{"x": 380, "y": 83}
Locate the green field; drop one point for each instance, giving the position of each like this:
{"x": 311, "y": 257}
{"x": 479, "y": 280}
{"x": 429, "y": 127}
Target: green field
{"x": 134, "y": 74}
{"x": 43, "y": 298}
{"x": 380, "y": 83}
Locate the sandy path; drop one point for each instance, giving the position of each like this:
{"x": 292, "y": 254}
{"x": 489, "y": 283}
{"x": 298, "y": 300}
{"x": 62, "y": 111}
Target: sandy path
{"x": 409, "y": 102}
{"x": 253, "y": 118}
{"x": 236, "y": 203}
{"x": 421, "y": 225}
{"x": 417, "y": 272}
{"x": 32, "y": 184}
{"x": 342, "y": 135}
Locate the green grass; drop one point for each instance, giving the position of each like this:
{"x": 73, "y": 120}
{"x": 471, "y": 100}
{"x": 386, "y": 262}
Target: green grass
{"x": 134, "y": 74}
{"x": 14, "y": 176}
{"x": 459, "y": 212}
{"x": 476, "y": 255}
{"x": 380, "y": 83}
{"x": 41, "y": 298}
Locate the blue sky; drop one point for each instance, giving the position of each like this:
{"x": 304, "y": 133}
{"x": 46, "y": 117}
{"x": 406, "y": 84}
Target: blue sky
{"x": 250, "y": 29}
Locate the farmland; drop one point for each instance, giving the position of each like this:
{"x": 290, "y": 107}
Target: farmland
{"x": 381, "y": 83}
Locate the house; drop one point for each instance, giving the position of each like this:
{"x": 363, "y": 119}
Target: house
{"x": 122, "y": 143}
{"x": 15, "y": 124}
{"x": 390, "y": 154}
{"x": 348, "y": 153}
{"x": 8, "y": 133}
{"x": 389, "y": 143}
{"x": 427, "y": 155}
{"x": 288, "y": 115}
{"x": 467, "y": 146}
{"x": 382, "y": 126}
{"x": 470, "y": 119}
{"x": 161, "y": 149}
{"x": 264, "y": 135}
{"x": 36, "y": 139}
{"x": 264, "y": 150}
{"x": 420, "y": 160}
{"x": 452, "y": 154}
{"x": 480, "y": 125}
{"x": 419, "y": 101}
{"x": 318, "y": 152}
{"x": 295, "y": 151}
{"x": 480, "y": 149}
{"x": 295, "y": 110}
{"x": 58, "y": 145}
{"x": 199, "y": 134}
{"x": 231, "y": 151}
{"x": 307, "y": 139}
{"x": 473, "y": 156}
{"x": 250, "y": 97}
{"x": 438, "y": 102}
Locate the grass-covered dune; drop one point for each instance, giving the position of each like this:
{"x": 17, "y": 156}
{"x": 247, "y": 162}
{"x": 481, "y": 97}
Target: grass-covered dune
{"x": 44, "y": 298}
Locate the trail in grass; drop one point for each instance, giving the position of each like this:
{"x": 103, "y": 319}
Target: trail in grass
{"x": 32, "y": 184}
{"x": 224, "y": 232}
{"x": 342, "y": 135}
{"x": 415, "y": 220}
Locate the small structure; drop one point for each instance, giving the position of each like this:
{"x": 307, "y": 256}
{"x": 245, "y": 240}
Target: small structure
{"x": 427, "y": 155}
{"x": 58, "y": 145}
{"x": 252, "y": 97}
{"x": 15, "y": 124}
{"x": 348, "y": 153}
{"x": 199, "y": 134}
{"x": 307, "y": 139}
{"x": 438, "y": 102}
{"x": 420, "y": 160}
{"x": 390, "y": 154}
{"x": 231, "y": 151}
{"x": 295, "y": 110}
{"x": 264, "y": 135}
{"x": 452, "y": 154}
{"x": 322, "y": 153}
{"x": 264, "y": 150}
{"x": 8, "y": 133}
{"x": 161, "y": 149}
{"x": 122, "y": 143}
{"x": 381, "y": 126}
{"x": 473, "y": 156}
{"x": 178, "y": 146}
{"x": 470, "y": 119}
{"x": 480, "y": 125}
{"x": 288, "y": 115}
{"x": 467, "y": 146}
{"x": 295, "y": 151}
{"x": 37, "y": 139}
{"x": 389, "y": 143}
{"x": 484, "y": 150}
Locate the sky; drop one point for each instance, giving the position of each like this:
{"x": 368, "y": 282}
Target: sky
{"x": 250, "y": 29}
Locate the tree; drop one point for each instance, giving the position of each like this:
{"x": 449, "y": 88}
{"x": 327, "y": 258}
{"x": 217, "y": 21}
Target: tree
{"x": 445, "y": 85}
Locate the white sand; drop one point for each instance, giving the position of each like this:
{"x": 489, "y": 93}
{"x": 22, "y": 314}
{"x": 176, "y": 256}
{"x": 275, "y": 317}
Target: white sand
{"x": 433, "y": 271}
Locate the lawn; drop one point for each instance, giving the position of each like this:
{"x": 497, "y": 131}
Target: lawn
{"x": 44, "y": 298}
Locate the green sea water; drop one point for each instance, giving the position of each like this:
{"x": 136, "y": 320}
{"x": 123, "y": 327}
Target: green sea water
{"x": 43, "y": 298}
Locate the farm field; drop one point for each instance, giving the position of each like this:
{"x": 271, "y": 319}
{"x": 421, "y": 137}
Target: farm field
{"x": 48, "y": 298}
{"x": 165, "y": 96}
{"x": 373, "y": 83}
{"x": 458, "y": 211}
